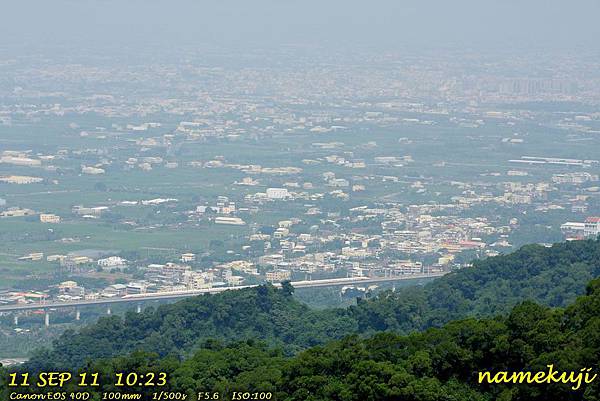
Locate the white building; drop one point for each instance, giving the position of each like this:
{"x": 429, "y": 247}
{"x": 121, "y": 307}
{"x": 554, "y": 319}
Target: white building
{"x": 112, "y": 262}
{"x": 278, "y": 275}
{"x": 20, "y": 179}
{"x": 235, "y": 280}
{"x": 232, "y": 221}
{"x": 136, "y": 288}
{"x": 16, "y": 212}
{"x": 339, "y": 183}
{"x": 92, "y": 170}
{"x": 90, "y": 211}
{"x": 20, "y": 161}
{"x": 49, "y": 218}
{"x": 277, "y": 193}
{"x": 241, "y": 266}
{"x": 573, "y": 229}
{"x": 188, "y": 257}
{"x": 592, "y": 227}
{"x": 196, "y": 280}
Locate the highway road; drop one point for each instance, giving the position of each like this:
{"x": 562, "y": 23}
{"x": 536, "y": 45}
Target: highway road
{"x": 157, "y": 296}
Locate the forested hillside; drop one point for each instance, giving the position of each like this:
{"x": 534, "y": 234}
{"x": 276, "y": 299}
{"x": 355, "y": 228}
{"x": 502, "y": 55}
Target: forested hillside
{"x": 438, "y": 364}
{"x": 551, "y": 276}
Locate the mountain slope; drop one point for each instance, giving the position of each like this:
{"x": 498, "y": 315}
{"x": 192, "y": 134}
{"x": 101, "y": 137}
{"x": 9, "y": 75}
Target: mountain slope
{"x": 438, "y": 364}
{"x": 552, "y": 276}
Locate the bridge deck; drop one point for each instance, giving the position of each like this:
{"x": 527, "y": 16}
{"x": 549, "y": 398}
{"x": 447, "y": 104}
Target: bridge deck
{"x": 185, "y": 294}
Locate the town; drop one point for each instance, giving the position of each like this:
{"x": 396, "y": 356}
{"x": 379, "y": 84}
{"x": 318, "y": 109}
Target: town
{"x": 220, "y": 186}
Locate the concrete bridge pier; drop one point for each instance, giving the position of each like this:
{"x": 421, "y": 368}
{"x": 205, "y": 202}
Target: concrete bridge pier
{"x": 139, "y": 308}
{"x": 47, "y": 319}
{"x": 16, "y": 319}
{"x": 77, "y": 314}
{"x": 108, "y": 311}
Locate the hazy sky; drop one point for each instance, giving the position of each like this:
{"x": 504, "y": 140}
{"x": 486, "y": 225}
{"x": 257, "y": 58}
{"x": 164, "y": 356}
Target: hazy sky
{"x": 490, "y": 24}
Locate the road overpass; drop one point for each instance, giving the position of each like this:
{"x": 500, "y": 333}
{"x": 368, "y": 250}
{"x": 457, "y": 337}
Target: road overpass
{"x": 158, "y": 296}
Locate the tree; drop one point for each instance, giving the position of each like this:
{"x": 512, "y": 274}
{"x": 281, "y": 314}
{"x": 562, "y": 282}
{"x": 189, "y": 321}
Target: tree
{"x": 287, "y": 288}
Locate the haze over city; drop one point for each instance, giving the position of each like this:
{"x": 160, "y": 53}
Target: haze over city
{"x": 486, "y": 25}
{"x": 300, "y": 180}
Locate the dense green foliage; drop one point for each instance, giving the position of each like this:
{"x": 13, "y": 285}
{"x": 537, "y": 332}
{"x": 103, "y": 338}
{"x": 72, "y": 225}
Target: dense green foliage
{"x": 551, "y": 276}
{"x": 438, "y": 364}
{"x": 264, "y": 312}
